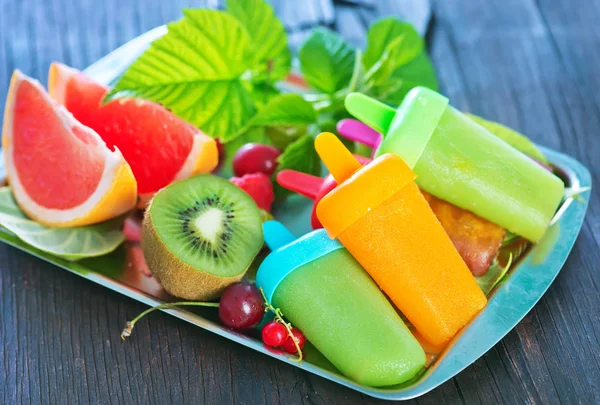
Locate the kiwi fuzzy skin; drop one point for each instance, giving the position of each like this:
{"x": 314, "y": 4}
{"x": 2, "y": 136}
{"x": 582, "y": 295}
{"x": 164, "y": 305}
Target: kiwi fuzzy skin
{"x": 176, "y": 277}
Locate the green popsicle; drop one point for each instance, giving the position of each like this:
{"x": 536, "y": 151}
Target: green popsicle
{"x": 323, "y": 291}
{"x": 461, "y": 162}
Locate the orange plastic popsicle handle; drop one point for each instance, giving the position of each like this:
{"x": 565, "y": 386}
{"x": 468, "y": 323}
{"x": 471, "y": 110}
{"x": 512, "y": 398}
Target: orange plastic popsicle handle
{"x": 339, "y": 161}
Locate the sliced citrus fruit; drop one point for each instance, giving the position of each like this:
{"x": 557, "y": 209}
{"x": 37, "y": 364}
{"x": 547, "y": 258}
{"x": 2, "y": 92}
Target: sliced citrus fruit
{"x": 160, "y": 147}
{"x": 60, "y": 171}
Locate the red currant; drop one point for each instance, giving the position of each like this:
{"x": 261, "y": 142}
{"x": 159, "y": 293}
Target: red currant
{"x": 255, "y": 158}
{"x": 241, "y": 306}
{"x": 274, "y": 334}
{"x": 289, "y": 345}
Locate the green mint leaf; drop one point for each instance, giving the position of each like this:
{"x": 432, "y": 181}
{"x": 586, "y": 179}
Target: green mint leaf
{"x": 509, "y": 238}
{"x": 326, "y": 60}
{"x": 288, "y": 113}
{"x": 271, "y": 57}
{"x": 194, "y": 70}
{"x": 418, "y": 72}
{"x": 262, "y": 92}
{"x": 395, "y": 61}
{"x": 69, "y": 243}
{"x": 511, "y": 137}
{"x": 285, "y": 109}
{"x": 390, "y": 45}
{"x": 282, "y": 136}
{"x": 300, "y": 155}
{"x": 509, "y": 253}
{"x": 494, "y": 275}
{"x": 399, "y": 39}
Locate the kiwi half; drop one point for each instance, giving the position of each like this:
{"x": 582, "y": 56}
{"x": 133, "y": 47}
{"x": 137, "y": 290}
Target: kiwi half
{"x": 199, "y": 235}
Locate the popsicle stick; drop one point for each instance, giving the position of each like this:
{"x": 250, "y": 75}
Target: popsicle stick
{"x": 276, "y": 235}
{"x": 340, "y": 162}
{"x": 375, "y": 114}
{"x": 301, "y": 183}
{"x": 359, "y": 132}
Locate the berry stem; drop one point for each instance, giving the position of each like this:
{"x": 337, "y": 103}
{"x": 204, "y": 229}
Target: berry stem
{"x": 287, "y": 326}
{"x": 130, "y": 324}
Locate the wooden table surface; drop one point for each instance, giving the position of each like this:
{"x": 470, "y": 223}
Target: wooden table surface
{"x": 531, "y": 64}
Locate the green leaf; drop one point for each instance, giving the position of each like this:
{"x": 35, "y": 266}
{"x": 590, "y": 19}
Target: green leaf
{"x": 69, "y": 243}
{"x": 285, "y": 117}
{"x": 261, "y": 93}
{"x": 511, "y": 137}
{"x": 509, "y": 238}
{"x": 271, "y": 57}
{"x": 395, "y": 61}
{"x": 494, "y": 275}
{"x": 300, "y": 155}
{"x": 194, "y": 70}
{"x": 282, "y": 136}
{"x": 326, "y": 60}
{"x": 391, "y": 44}
{"x": 285, "y": 109}
{"x": 512, "y": 249}
{"x": 418, "y": 72}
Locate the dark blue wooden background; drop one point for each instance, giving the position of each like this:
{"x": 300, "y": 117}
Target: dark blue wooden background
{"x": 531, "y": 64}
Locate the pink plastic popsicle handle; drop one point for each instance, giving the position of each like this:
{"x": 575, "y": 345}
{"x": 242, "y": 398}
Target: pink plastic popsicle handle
{"x": 301, "y": 183}
{"x": 359, "y": 132}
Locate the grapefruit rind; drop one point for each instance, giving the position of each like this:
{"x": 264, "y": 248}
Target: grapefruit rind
{"x": 57, "y": 79}
{"x": 115, "y": 194}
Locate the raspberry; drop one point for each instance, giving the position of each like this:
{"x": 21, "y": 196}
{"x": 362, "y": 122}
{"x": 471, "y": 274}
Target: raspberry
{"x": 259, "y": 186}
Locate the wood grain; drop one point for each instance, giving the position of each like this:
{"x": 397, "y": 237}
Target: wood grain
{"x": 532, "y": 65}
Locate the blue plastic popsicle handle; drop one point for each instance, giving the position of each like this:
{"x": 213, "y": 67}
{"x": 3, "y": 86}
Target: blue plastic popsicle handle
{"x": 277, "y": 235}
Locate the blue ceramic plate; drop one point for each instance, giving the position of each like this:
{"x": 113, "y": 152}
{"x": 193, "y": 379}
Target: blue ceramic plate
{"x": 521, "y": 289}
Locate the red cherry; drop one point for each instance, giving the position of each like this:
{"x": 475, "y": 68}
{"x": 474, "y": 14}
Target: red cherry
{"x": 289, "y": 345}
{"x": 274, "y": 334}
{"x": 241, "y": 306}
{"x": 255, "y": 158}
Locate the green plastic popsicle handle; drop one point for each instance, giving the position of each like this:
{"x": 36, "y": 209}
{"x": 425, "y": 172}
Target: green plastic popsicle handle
{"x": 414, "y": 124}
{"x": 407, "y": 130}
{"x": 375, "y": 114}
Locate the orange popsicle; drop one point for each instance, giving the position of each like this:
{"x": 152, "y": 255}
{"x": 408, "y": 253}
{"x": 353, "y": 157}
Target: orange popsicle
{"x": 378, "y": 213}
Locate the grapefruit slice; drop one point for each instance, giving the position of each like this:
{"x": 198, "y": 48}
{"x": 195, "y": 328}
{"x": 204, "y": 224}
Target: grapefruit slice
{"x": 61, "y": 172}
{"x": 160, "y": 147}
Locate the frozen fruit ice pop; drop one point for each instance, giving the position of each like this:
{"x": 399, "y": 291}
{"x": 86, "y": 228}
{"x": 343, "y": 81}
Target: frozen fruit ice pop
{"x": 323, "y": 291}
{"x": 378, "y": 213}
{"x": 461, "y": 162}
